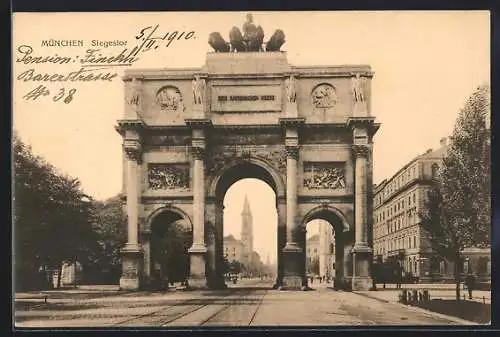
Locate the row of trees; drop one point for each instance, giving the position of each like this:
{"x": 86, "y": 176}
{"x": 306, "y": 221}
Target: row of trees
{"x": 458, "y": 210}
{"x": 56, "y": 222}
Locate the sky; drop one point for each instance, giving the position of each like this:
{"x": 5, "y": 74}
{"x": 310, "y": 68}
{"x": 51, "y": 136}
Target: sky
{"x": 426, "y": 64}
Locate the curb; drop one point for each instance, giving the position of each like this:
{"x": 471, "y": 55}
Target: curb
{"x": 448, "y": 317}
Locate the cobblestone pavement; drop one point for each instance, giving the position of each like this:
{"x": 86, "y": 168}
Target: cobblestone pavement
{"x": 249, "y": 303}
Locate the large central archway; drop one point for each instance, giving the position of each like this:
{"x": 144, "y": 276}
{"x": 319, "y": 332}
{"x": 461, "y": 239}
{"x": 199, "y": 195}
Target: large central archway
{"x": 230, "y": 174}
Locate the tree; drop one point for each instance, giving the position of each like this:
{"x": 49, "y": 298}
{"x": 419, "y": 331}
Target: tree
{"x": 52, "y": 217}
{"x": 169, "y": 247}
{"x": 457, "y": 211}
{"x": 110, "y": 225}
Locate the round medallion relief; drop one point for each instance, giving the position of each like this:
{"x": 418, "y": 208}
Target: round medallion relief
{"x": 169, "y": 98}
{"x": 324, "y": 96}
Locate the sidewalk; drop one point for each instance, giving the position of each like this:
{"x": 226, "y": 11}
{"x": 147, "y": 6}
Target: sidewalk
{"x": 392, "y": 294}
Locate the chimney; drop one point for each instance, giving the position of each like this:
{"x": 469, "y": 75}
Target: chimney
{"x": 443, "y": 141}
{"x": 428, "y": 151}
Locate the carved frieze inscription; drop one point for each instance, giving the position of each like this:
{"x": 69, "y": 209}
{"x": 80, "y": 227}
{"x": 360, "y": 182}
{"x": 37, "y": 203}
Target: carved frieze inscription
{"x": 168, "y": 176}
{"x": 324, "y": 175}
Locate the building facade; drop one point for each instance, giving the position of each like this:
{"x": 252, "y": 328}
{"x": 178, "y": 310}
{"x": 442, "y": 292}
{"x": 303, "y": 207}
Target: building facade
{"x": 233, "y": 249}
{"x": 312, "y": 254}
{"x": 397, "y": 233}
{"x": 321, "y": 251}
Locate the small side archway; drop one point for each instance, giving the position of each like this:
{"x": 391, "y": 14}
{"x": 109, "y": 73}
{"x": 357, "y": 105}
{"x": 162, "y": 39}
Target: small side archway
{"x": 171, "y": 236}
{"x": 341, "y": 270}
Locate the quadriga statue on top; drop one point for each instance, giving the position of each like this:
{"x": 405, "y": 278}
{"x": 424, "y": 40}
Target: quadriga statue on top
{"x": 251, "y": 40}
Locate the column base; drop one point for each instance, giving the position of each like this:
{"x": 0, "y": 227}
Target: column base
{"x": 197, "y": 272}
{"x": 194, "y": 283}
{"x": 131, "y": 267}
{"x": 362, "y": 283}
{"x": 361, "y": 280}
{"x": 292, "y": 247}
{"x": 292, "y": 283}
{"x": 293, "y": 278}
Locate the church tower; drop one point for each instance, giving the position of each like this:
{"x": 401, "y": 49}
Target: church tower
{"x": 247, "y": 232}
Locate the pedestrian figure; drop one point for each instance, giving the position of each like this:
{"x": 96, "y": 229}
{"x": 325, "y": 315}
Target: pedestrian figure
{"x": 312, "y": 280}
{"x": 470, "y": 283}
{"x": 399, "y": 276}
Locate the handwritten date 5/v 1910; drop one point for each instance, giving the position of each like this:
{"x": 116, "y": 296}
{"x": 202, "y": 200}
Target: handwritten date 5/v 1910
{"x": 41, "y": 90}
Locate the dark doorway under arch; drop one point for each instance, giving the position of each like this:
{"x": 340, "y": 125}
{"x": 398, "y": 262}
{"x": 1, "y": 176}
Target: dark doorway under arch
{"x": 171, "y": 237}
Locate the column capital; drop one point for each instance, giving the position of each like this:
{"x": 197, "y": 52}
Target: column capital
{"x": 133, "y": 154}
{"x": 198, "y": 152}
{"x": 360, "y": 150}
{"x": 292, "y": 152}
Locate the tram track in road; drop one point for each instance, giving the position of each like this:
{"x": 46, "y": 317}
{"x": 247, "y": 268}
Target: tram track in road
{"x": 242, "y": 295}
{"x": 157, "y": 317}
{"x": 240, "y": 312}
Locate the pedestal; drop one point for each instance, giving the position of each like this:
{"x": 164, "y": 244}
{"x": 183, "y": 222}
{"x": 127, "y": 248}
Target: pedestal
{"x": 197, "y": 272}
{"x": 131, "y": 267}
{"x": 361, "y": 279}
{"x": 293, "y": 278}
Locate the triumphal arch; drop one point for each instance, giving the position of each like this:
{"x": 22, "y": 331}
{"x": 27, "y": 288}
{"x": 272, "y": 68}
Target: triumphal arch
{"x": 189, "y": 134}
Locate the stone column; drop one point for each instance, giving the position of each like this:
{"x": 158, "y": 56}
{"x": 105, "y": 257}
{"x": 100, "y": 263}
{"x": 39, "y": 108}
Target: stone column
{"x": 198, "y": 250}
{"x": 132, "y": 252}
{"x": 361, "y": 251}
{"x": 281, "y": 241}
{"x": 292, "y": 252}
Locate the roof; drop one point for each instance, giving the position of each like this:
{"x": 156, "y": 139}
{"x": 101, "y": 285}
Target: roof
{"x": 230, "y": 238}
{"x": 315, "y": 237}
{"x": 429, "y": 154}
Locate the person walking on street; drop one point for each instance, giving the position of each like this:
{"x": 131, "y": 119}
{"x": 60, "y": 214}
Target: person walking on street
{"x": 470, "y": 283}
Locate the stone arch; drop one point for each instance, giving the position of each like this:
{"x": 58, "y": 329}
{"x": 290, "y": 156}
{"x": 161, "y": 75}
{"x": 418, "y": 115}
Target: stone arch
{"x": 169, "y": 208}
{"x": 275, "y": 182}
{"x": 321, "y": 212}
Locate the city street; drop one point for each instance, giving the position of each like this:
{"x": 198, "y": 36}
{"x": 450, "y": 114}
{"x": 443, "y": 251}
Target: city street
{"x": 248, "y": 303}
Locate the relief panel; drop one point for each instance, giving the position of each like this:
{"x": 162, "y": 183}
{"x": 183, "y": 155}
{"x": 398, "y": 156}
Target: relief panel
{"x": 168, "y": 176}
{"x": 324, "y": 175}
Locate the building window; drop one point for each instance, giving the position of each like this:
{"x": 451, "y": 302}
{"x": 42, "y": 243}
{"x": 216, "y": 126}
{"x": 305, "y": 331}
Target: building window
{"x": 409, "y": 242}
{"x": 435, "y": 170}
{"x": 442, "y": 267}
{"x": 414, "y": 242}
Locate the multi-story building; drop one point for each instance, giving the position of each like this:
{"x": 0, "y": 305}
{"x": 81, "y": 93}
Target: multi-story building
{"x": 321, "y": 247}
{"x": 326, "y": 249}
{"x": 397, "y": 233}
{"x": 312, "y": 254}
{"x": 233, "y": 249}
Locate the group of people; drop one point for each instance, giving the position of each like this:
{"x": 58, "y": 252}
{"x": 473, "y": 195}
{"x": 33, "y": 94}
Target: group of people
{"x": 320, "y": 279}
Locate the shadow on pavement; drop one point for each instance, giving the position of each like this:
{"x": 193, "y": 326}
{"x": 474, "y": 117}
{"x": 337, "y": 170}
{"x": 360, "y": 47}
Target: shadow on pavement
{"x": 468, "y": 310}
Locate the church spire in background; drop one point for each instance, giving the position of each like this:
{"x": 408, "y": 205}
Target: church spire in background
{"x": 247, "y": 231}
{"x": 246, "y": 207}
